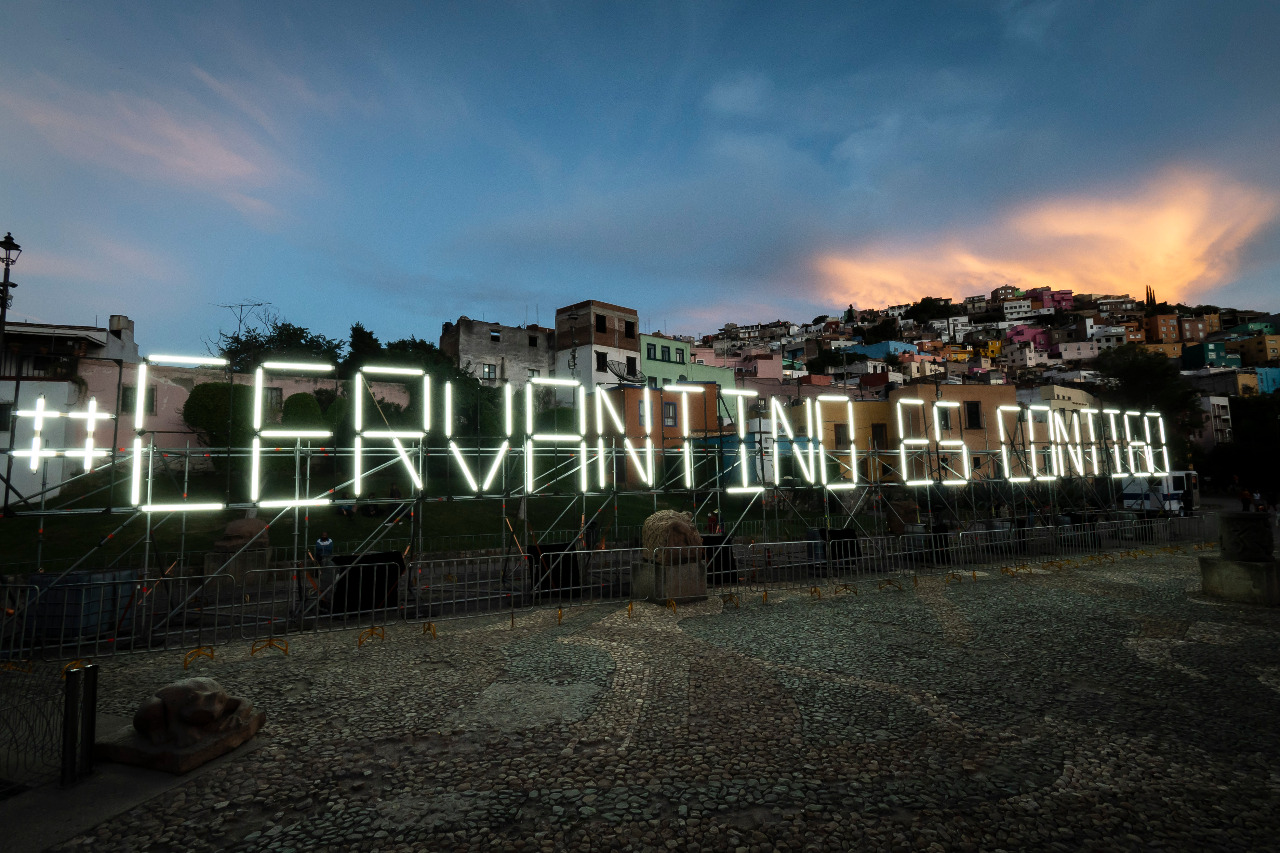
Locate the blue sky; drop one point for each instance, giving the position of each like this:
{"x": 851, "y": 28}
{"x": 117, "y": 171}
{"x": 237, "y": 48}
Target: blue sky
{"x": 402, "y": 164}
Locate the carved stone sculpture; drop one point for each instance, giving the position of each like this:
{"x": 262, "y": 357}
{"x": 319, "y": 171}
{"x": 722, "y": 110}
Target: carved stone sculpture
{"x": 239, "y": 532}
{"x": 182, "y": 726}
{"x": 667, "y": 529}
{"x": 1245, "y": 569}
{"x": 672, "y": 568}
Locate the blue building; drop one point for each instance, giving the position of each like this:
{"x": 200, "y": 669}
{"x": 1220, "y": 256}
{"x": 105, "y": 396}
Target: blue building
{"x": 1268, "y": 380}
{"x": 883, "y": 349}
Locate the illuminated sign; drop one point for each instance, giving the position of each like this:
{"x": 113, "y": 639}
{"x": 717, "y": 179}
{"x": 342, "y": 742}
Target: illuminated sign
{"x": 1035, "y": 444}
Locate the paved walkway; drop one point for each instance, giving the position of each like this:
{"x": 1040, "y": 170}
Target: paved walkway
{"x": 1095, "y": 706}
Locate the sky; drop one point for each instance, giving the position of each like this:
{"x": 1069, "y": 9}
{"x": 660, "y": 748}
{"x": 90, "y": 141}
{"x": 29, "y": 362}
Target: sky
{"x": 400, "y": 165}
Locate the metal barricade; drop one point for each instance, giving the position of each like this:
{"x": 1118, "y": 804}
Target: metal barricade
{"x": 729, "y": 568}
{"x": 16, "y": 621}
{"x": 183, "y": 613}
{"x": 926, "y": 553}
{"x": 787, "y": 565}
{"x": 1078, "y": 540}
{"x": 69, "y": 617}
{"x": 278, "y": 602}
{"x": 458, "y": 587}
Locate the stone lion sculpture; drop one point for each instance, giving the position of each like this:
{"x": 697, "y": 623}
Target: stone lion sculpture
{"x": 183, "y": 725}
{"x": 668, "y": 529}
{"x": 189, "y": 711}
{"x": 239, "y": 532}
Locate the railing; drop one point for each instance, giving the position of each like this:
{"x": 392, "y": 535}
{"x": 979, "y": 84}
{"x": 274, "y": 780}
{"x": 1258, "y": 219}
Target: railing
{"x": 94, "y": 614}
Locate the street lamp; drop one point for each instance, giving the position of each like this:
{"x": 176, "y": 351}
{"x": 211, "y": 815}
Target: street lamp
{"x": 11, "y": 252}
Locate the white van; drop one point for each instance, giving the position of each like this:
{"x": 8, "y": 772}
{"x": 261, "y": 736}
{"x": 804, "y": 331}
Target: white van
{"x": 1161, "y": 493}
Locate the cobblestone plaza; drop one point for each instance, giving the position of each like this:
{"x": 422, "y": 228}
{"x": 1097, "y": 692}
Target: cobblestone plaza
{"x": 1098, "y": 705}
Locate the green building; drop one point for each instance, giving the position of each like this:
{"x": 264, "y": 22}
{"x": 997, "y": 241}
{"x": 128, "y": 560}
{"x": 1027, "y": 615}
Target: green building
{"x": 1208, "y": 354}
{"x": 665, "y": 361}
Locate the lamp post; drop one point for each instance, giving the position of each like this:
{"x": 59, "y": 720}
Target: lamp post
{"x": 11, "y": 252}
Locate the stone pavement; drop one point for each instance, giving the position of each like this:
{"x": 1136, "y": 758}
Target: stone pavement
{"x": 1095, "y": 706}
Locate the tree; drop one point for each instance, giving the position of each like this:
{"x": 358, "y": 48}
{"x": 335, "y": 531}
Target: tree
{"x": 1145, "y": 380}
{"x": 930, "y": 308}
{"x": 476, "y": 408}
{"x": 829, "y": 358}
{"x": 363, "y": 348}
{"x": 1250, "y": 454}
{"x": 885, "y": 330}
{"x": 275, "y": 339}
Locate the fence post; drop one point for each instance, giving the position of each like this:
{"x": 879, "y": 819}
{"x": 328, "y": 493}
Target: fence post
{"x": 70, "y": 725}
{"x": 88, "y": 718}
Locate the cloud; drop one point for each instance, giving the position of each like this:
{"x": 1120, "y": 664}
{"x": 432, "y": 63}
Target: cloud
{"x": 744, "y": 95}
{"x": 147, "y": 140}
{"x": 1181, "y": 232}
{"x": 99, "y": 258}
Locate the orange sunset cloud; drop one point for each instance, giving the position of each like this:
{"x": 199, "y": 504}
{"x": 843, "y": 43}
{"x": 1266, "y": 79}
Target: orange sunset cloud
{"x": 1180, "y": 233}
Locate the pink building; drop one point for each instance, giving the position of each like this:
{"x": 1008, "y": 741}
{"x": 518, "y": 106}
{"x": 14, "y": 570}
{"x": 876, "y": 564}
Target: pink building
{"x": 1037, "y": 337}
{"x": 1076, "y": 350}
{"x": 1059, "y": 300}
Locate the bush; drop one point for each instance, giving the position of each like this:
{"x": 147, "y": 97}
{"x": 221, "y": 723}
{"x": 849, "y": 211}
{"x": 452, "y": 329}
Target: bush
{"x": 302, "y": 411}
{"x": 220, "y": 416}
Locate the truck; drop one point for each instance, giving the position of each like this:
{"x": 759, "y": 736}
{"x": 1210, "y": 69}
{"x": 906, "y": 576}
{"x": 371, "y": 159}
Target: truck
{"x": 1174, "y": 493}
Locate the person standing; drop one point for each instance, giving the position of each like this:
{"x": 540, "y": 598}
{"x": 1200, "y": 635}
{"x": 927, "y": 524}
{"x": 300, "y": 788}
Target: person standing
{"x": 324, "y": 550}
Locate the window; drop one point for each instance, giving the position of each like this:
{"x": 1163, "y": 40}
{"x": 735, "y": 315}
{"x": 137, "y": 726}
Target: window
{"x": 944, "y": 418}
{"x": 6, "y": 416}
{"x": 275, "y": 400}
{"x": 495, "y": 336}
{"x": 653, "y": 382}
{"x": 602, "y": 362}
{"x": 842, "y": 436}
{"x": 533, "y": 341}
{"x": 972, "y": 414}
{"x": 651, "y": 351}
{"x": 644, "y": 416}
{"x": 631, "y": 365}
{"x": 668, "y": 414}
{"x": 629, "y": 329}
{"x": 600, "y": 324}
{"x": 533, "y": 371}
{"x": 129, "y": 400}
{"x": 666, "y": 353}
{"x": 679, "y": 356}
{"x": 488, "y": 371}
{"x": 879, "y": 436}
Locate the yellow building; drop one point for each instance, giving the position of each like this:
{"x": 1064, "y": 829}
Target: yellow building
{"x": 1169, "y": 350}
{"x": 990, "y": 349}
{"x": 1257, "y": 351}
